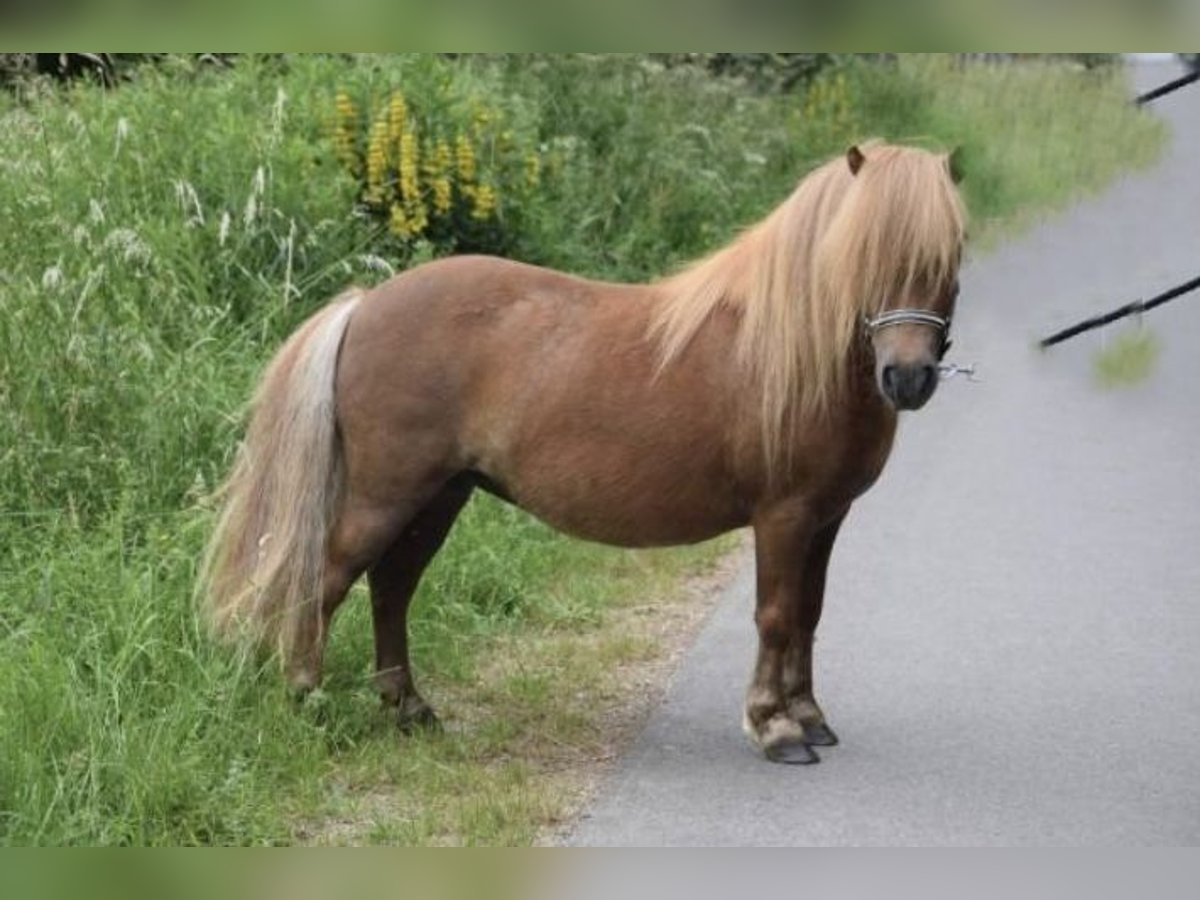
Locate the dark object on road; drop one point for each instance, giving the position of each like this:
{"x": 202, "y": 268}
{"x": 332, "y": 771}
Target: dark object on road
{"x": 1129, "y": 309}
{"x": 760, "y": 386}
{"x": 1164, "y": 89}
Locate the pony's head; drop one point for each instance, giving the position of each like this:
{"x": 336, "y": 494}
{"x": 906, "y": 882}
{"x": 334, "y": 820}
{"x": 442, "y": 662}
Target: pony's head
{"x": 896, "y": 244}
{"x": 876, "y": 231}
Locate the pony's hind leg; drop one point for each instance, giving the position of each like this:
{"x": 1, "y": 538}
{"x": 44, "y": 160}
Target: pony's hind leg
{"x": 360, "y": 535}
{"x": 393, "y": 579}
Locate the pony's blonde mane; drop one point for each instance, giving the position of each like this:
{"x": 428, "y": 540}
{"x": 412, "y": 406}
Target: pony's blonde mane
{"x": 801, "y": 280}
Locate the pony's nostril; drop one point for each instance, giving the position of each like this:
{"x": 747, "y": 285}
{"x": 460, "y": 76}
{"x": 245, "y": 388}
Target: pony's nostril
{"x": 928, "y": 378}
{"x": 889, "y": 379}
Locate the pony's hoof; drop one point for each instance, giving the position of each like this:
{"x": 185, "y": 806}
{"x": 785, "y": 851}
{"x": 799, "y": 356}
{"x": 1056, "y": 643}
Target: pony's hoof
{"x": 307, "y": 696}
{"x": 781, "y": 740}
{"x": 301, "y": 685}
{"x": 792, "y": 753}
{"x": 417, "y": 717}
{"x": 820, "y": 735}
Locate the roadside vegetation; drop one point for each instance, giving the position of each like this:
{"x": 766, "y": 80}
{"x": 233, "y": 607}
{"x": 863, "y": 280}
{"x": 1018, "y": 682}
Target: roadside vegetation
{"x": 161, "y": 237}
{"x": 1128, "y": 358}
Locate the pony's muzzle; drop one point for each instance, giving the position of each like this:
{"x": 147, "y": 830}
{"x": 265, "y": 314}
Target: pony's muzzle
{"x": 908, "y": 386}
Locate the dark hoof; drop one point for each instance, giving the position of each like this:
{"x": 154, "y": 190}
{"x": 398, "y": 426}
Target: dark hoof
{"x": 820, "y": 735}
{"x": 417, "y": 718}
{"x": 792, "y": 753}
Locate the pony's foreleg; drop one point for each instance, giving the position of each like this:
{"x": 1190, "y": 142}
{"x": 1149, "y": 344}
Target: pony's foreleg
{"x": 798, "y": 662}
{"x": 393, "y": 580}
{"x": 783, "y": 536}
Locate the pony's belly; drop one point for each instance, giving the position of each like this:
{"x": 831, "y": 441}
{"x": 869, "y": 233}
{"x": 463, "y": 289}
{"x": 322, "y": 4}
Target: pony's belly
{"x": 646, "y": 526}
{"x": 626, "y": 511}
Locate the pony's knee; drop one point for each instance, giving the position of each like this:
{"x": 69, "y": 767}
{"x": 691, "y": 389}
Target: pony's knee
{"x": 773, "y": 627}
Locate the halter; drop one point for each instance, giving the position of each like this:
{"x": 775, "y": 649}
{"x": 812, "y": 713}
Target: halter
{"x": 912, "y": 317}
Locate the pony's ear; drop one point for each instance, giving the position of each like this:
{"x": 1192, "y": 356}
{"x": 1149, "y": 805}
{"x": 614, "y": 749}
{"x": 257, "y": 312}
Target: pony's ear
{"x": 855, "y": 159}
{"x": 954, "y": 165}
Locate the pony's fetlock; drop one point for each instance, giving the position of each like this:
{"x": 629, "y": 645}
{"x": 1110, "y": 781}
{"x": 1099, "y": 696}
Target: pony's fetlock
{"x": 413, "y": 713}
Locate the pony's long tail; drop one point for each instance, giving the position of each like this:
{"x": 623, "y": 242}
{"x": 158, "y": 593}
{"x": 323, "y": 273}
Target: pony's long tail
{"x": 262, "y": 575}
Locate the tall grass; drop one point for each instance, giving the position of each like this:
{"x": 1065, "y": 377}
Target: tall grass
{"x": 159, "y": 241}
{"x": 1036, "y": 135}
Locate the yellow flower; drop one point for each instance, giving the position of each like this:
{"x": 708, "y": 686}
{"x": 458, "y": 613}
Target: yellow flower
{"x": 484, "y": 202}
{"x": 442, "y": 200}
{"x": 344, "y": 128}
{"x": 464, "y": 158}
{"x": 397, "y": 116}
{"x": 410, "y": 184}
{"x": 437, "y": 159}
{"x": 398, "y": 222}
{"x": 418, "y": 220}
{"x": 442, "y": 156}
{"x": 533, "y": 170}
{"x": 435, "y": 165}
{"x": 480, "y": 119}
{"x": 377, "y": 162}
{"x": 410, "y": 154}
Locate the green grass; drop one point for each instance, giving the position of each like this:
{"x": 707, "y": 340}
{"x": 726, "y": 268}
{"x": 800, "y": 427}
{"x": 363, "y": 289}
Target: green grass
{"x": 1127, "y": 359}
{"x": 1034, "y": 136}
{"x": 161, "y": 239}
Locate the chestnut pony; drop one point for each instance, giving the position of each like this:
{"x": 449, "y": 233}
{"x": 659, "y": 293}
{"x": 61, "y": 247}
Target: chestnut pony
{"x": 759, "y": 386}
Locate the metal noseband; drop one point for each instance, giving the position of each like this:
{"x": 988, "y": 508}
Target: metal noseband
{"x": 913, "y": 317}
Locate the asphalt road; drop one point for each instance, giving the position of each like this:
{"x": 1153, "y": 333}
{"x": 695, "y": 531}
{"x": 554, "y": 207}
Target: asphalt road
{"x": 1010, "y": 650}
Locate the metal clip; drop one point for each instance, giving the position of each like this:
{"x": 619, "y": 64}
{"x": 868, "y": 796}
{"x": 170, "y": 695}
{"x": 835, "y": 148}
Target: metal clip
{"x": 949, "y": 370}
